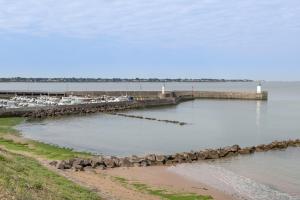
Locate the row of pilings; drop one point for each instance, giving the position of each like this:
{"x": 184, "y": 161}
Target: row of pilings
{"x": 102, "y": 162}
{"x": 149, "y": 118}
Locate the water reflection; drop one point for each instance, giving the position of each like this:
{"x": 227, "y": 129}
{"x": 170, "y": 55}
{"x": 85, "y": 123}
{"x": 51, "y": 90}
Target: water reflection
{"x": 258, "y": 108}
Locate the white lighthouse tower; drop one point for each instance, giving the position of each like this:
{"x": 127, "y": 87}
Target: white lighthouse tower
{"x": 163, "y": 90}
{"x": 258, "y": 88}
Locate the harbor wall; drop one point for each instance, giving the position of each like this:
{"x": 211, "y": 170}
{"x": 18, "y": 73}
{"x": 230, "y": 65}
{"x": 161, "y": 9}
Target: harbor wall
{"x": 224, "y": 95}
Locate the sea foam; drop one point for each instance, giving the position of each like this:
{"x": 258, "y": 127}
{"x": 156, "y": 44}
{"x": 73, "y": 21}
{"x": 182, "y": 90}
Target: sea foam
{"x": 240, "y": 187}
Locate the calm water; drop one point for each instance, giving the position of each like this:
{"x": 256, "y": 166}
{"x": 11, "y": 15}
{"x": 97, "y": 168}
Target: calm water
{"x": 270, "y": 175}
{"x": 212, "y": 123}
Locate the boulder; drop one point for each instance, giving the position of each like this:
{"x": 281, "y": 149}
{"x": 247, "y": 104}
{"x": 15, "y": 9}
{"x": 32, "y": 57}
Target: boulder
{"x": 101, "y": 167}
{"x": 97, "y": 161}
{"x": 151, "y": 157}
{"x": 87, "y": 162}
{"x": 244, "y": 151}
{"x": 61, "y": 165}
{"x": 202, "y": 155}
{"x": 78, "y": 167}
{"x": 125, "y": 162}
{"x": 53, "y": 163}
{"x": 109, "y": 163}
{"x": 260, "y": 148}
{"x": 160, "y": 158}
{"x": 144, "y": 163}
{"x": 230, "y": 154}
{"x": 136, "y": 164}
{"x": 212, "y": 154}
{"x": 226, "y": 150}
{"x": 291, "y": 143}
{"x": 179, "y": 158}
{"x": 78, "y": 161}
{"x": 235, "y": 148}
{"x": 193, "y": 155}
{"x": 169, "y": 162}
{"x": 133, "y": 159}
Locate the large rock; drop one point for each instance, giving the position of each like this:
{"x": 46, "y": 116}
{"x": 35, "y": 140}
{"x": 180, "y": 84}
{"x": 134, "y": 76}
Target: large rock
{"x": 193, "y": 155}
{"x": 78, "y": 161}
{"x": 202, "y": 155}
{"x": 125, "y": 162}
{"x": 151, "y": 157}
{"x": 53, "y": 163}
{"x": 97, "y": 161}
{"x": 109, "y": 163}
{"x": 235, "y": 148}
{"x": 87, "y": 162}
{"x": 78, "y": 167}
{"x": 145, "y": 163}
{"x": 160, "y": 159}
{"x": 223, "y": 152}
{"x": 187, "y": 156}
{"x": 247, "y": 150}
{"x": 212, "y": 154}
{"x": 61, "y": 164}
{"x": 230, "y": 154}
{"x": 134, "y": 159}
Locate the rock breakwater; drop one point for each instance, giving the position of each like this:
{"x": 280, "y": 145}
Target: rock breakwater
{"x": 61, "y": 110}
{"x": 102, "y": 162}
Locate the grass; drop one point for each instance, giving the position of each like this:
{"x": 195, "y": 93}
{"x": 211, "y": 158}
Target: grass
{"x": 7, "y": 124}
{"x": 24, "y": 178}
{"x": 162, "y": 193}
{"x": 48, "y": 151}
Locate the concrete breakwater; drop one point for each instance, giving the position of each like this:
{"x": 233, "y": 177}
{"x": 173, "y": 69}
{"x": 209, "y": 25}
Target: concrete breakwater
{"x": 150, "y": 118}
{"x": 102, "y": 162}
{"x": 244, "y": 95}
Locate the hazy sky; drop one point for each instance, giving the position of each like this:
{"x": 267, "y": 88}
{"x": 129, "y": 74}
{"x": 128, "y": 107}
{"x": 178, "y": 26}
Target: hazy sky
{"x": 257, "y": 39}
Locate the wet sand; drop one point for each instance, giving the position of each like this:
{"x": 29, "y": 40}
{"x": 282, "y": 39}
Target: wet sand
{"x": 158, "y": 177}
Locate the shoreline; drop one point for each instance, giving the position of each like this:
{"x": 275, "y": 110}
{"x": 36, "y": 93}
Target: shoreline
{"x": 161, "y": 177}
{"x": 118, "y": 183}
{"x": 104, "y": 182}
{"x": 123, "y": 182}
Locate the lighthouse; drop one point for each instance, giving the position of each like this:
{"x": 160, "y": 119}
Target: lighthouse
{"x": 258, "y": 88}
{"x": 163, "y": 90}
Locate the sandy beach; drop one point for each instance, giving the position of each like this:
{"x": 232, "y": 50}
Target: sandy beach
{"x": 103, "y": 181}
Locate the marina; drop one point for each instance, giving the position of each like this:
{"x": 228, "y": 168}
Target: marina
{"x": 43, "y": 101}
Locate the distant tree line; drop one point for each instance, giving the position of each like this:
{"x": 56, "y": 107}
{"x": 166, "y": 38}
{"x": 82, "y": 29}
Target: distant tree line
{"x": 22, "y": 79}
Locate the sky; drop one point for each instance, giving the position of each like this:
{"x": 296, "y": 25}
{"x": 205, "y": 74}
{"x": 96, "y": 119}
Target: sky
{"x": 252, "y": 39}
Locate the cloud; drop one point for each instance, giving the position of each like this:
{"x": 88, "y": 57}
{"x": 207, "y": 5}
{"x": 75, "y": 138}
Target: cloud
{"x": 199, "y": 22}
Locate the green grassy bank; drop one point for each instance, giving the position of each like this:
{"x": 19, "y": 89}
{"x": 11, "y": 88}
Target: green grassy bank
{"x": 24, "y": 178}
